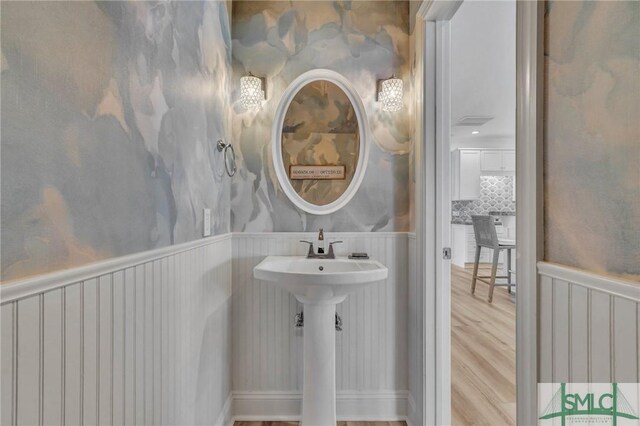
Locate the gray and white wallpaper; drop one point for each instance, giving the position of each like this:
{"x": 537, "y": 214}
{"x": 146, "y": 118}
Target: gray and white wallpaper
{"x": 496, "y": 195}
{"x": 364, "y": 41}
{"x": 110, "y": 114}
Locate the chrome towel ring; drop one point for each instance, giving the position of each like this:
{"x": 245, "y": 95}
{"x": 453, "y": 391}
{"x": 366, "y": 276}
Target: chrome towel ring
{"x": 229, "y": 159}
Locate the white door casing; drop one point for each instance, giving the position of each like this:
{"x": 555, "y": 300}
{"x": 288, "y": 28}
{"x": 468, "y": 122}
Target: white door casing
{"x": 433, "y": 16}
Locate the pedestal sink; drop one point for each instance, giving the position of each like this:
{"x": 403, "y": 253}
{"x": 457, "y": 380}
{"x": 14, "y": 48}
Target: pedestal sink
{"x": 319, "y": 284}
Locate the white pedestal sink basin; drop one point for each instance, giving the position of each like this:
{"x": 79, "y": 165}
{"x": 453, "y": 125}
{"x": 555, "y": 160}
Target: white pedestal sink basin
{"x": 319, "y": 284}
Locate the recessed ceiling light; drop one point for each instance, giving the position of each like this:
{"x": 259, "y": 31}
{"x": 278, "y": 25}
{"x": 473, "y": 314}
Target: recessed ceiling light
{"x": 475, "y": 132}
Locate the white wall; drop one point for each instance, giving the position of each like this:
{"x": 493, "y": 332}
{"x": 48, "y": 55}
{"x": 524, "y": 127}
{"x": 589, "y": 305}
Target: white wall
{"x": 153, "y": 339}
{"x": 143, "y": 339}
{"x": 371, "y": 351}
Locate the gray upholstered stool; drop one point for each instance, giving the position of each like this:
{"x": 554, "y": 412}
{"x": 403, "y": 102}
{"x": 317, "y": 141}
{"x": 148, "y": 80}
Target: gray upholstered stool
{"x": 485, "y": 231}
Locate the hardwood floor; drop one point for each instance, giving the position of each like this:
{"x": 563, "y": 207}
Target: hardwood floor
{"x": 483, "y": 357}
{"x": 338, "y": 424}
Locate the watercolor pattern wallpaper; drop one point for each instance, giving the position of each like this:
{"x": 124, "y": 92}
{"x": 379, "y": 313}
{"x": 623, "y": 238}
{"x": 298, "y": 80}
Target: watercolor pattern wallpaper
{"x": 592, "y": 136}
{"x": 365, "y": 42}
{"x": 110, "y": 114}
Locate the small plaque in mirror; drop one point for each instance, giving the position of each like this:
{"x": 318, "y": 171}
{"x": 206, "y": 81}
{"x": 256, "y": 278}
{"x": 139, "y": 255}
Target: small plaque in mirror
{"x": 316, "y": 172}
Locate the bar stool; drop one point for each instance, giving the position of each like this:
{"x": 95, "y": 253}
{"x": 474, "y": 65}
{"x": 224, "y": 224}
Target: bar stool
{"x": 484, "y": 229}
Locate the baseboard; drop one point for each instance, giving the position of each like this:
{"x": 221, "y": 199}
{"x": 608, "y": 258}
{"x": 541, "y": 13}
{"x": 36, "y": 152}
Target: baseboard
{"x": 351, "y": 406}
{"x": 225, "y": 418}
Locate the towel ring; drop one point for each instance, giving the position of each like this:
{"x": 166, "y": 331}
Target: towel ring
{"x": 229, "y": 161}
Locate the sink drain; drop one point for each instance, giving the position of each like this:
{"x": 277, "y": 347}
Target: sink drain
{"x": 321, "y": 268}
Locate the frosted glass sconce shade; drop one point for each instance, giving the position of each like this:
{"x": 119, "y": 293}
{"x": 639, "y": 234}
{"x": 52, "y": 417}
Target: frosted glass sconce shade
{"x": 251, "y": 91}
{"x": 390, "y": 94}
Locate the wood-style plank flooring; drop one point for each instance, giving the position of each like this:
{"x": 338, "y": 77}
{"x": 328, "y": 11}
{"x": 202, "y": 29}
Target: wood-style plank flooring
{"x": 338, "y": 424}
{"x": 483, "y": 357}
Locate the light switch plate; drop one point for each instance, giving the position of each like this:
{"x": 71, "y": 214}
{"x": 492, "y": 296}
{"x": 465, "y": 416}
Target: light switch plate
{"x": 207, "y": 223}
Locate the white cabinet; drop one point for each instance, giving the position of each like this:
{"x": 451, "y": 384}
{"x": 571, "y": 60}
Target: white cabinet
{"x": 490, "y": 161}
{"x": 459, "y": 244}
{"x": 467, "y": 165}
{"x": 465, "y": 174}
{"x": 509, "y": 224}
{"x": 497, "y": 160}
{"x": 509, "y": 161}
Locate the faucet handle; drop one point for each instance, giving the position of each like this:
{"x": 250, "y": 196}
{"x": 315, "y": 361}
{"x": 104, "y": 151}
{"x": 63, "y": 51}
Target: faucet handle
{"x": 310, "y": 252}
{"x": 331, "y": 253}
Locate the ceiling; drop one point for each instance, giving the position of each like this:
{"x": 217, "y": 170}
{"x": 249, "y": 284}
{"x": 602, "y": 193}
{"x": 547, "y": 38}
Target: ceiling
{"x": 483, "y": 71}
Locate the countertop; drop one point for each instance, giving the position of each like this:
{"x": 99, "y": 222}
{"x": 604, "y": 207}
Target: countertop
{"x": 456, "y": 221}
{"x": 463, "y": 221}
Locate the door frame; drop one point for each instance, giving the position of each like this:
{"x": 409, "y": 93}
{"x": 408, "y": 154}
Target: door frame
{"x": 431, "y": 34}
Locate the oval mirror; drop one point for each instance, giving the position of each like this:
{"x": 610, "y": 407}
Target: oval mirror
{"x": 320, "y": 142}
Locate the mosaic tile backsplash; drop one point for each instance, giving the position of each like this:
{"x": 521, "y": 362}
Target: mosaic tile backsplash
{"x": 496, "y": 195}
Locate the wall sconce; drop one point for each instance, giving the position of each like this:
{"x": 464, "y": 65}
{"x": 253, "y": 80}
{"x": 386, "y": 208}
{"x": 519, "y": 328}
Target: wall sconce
{"x": 251, "y": 91}
{"x": 390, "y": 92}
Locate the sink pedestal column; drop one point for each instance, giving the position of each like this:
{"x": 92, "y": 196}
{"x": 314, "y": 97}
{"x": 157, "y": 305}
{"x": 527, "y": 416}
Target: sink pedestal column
{"x": 319, "y": 387}
{"x": 319, "y": 284}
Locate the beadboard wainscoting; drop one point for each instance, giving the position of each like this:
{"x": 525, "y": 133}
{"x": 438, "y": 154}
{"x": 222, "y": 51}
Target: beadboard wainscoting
{"x": 371, "y": 351}
{"x": 415, "y": 329}
{"x": 143, "y": 339}
{"x": 589, "y": 327}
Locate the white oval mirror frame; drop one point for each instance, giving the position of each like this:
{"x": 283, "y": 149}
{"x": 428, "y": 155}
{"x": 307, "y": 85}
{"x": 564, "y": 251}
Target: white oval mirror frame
{"x": 276, "y": 140}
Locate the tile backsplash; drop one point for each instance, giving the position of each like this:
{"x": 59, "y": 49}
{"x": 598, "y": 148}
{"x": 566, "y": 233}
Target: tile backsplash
{"x": 496, "y": 194}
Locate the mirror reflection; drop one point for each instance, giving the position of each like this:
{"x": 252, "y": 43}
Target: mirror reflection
{"x": 320, "y": 142}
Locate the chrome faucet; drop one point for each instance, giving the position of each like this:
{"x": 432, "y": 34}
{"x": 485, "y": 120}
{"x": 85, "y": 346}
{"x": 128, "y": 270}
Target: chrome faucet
{"x": 321, "y": 241}
{"x": 311, "y": 254}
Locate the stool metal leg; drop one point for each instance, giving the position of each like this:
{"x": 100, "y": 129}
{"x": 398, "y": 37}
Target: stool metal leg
{"x": 475, "y": 270}
{"x": 494, "y": 270}
{"x": 509, "y": 269}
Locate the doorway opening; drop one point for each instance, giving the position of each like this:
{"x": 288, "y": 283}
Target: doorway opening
{"x": 433, "y": 201}
{"x": 482, "y": 132}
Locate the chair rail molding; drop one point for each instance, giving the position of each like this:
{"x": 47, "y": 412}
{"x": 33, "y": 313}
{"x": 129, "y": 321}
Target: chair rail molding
{"x": 19, "y": 289}
{"x": 618, "y": 287}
